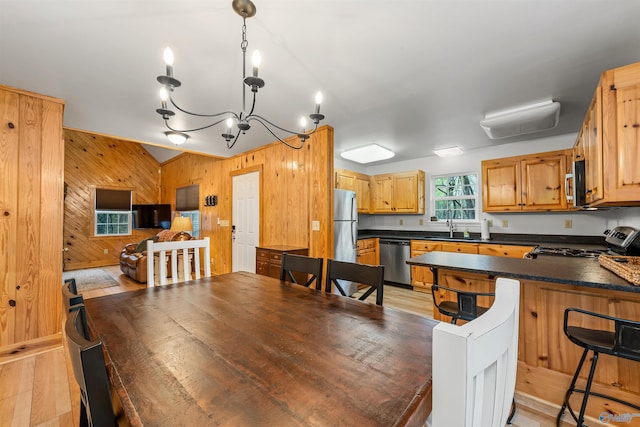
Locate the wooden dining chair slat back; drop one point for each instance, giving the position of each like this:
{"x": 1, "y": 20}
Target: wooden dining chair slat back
{"x": 303, "y": 264}
{"x": 89, "y": 370}
{"x": 70, "y": 296}
{"x": 369, "y": 275}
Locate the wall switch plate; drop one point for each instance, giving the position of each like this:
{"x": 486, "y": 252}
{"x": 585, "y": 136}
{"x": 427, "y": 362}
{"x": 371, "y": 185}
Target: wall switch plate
{"x": 224, "y": 223}
{"x": 401, "y": 222}
{"x": 106, "y": 251}
{"x": 315, "y": 225}
{"x": 505, "y": 223}
{"x": 568, "y": 223}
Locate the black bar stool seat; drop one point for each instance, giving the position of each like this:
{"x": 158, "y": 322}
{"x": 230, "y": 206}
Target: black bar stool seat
{"x": 623, "y": 341}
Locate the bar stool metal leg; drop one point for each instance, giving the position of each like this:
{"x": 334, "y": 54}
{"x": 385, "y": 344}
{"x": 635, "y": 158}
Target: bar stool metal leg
{"x": 571, "y": 388}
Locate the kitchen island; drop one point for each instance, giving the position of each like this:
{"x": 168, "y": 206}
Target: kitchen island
{"x": 546, "y": 357}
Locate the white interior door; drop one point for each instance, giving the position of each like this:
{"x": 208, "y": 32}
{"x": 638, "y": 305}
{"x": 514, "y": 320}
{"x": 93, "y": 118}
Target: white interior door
{"x": 245, "y": 221}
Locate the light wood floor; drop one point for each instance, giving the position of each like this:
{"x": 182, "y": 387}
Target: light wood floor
{"x": 39, "y": 389}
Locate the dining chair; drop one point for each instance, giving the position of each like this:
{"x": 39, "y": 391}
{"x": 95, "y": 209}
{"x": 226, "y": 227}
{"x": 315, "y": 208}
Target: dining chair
{"x": 622, "y": 340}
{"x": 70, "y": 296}
{"x": 474, "y": 365}
{"x": 89, "y": 370}
{"x": 369, "y": 275}
{"x": 302, "y": 264}
{"x": 465, "y": 306}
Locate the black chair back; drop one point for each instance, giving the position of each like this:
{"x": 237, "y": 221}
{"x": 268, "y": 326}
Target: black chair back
{"x": 89, "y": 369}
{"x": 369, "y": 275}
{"x": 303, "y": 264}
{"x": 465, "y": 307}
{"x": 70, "y": 295}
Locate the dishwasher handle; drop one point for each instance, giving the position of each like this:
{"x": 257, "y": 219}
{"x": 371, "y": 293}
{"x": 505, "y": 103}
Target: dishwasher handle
{"x": 395, "y": 242}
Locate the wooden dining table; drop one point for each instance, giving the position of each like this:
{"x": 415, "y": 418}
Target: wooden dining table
{"x": 243, "y": 349}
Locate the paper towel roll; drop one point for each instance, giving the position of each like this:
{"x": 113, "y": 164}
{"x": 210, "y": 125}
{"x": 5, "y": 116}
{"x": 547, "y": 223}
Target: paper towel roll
{"x": 484, "y": 230}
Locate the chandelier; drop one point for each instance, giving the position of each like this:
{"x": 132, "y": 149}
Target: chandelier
{"x": 236, "y": 123}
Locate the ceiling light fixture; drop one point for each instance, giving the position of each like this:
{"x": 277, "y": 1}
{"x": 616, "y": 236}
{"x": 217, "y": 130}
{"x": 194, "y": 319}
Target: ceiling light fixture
{"x": 448, "y": 152}
{"x": 246, "y": 9}
{"x": 368, "y": 154}
{"x": 522, "y": 120}
{"x": 178, "y": 138}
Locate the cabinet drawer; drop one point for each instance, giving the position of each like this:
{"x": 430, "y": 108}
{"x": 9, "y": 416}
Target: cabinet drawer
{"x": 465, "y": 248}
{"x": 275, "y": 256}
{"x": 424, "y": 246}
{"x": 261, "y": 253}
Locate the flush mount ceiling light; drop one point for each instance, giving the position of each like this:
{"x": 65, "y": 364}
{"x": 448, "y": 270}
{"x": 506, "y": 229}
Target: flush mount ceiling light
{"x": 246, "y": 9}
{"x": 178, "y": 138}
{"x": 448, "y": 152}
{"x": 368, "y": 154}
{"x": 522, "y": 120}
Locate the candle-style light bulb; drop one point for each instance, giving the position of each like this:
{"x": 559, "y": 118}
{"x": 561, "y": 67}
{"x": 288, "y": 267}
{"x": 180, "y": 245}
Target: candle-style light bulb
{"x": 168, "y": 60}
{"x": 229, "y": 123}
{"x": 303, "y": 124}
{"x": 164, "y": 96}
{"x": 318, "y": 101}
{"x": 255, "y": 60}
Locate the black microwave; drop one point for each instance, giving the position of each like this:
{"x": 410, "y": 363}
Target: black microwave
{"x": 575, "y": 185}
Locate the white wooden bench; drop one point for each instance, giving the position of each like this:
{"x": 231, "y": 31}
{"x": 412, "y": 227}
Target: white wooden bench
{"x": 187, "y": 249}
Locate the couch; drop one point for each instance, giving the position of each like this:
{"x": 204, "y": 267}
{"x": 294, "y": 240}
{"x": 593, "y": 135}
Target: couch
{"x": 133, "y": 258}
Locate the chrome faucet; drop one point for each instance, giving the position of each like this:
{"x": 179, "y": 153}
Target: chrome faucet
{"x": 450, "y": 222}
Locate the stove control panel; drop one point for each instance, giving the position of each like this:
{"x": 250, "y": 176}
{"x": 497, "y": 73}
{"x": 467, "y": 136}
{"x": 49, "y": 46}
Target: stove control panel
{"x": 621, "y": 237}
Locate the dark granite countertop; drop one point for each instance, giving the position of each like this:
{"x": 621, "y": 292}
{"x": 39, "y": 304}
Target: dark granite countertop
{"x": 562, "y": 270}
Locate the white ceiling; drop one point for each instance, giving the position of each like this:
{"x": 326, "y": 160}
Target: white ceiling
{"x": 408, "y": 75}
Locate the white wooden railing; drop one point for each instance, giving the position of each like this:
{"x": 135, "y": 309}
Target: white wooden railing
{"x": 174, "y": 250}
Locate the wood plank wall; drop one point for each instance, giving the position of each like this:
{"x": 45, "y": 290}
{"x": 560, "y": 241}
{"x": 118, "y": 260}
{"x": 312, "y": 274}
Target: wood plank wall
{"x": 92, "y": 161}
{"x": 297, "y": 188}
{"x": 32, "y": 156}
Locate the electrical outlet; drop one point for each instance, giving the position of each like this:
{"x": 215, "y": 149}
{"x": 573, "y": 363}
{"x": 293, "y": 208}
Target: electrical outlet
{"x": 505, "y": 223}
{"x": 106, "y": 251}
{"x": 490, "y": 222}
{"x": 315, "y": 225}
{"x": 422, "y": 222}
{"x": 568, "y": 223}
{"x": 211, "y": 262}
{"x": 401, "y": 222}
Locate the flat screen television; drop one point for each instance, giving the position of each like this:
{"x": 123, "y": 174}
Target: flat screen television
{"x": 151, "y": 216}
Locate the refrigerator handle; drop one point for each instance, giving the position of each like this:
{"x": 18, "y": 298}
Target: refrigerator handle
{"x": 354, "y": 232}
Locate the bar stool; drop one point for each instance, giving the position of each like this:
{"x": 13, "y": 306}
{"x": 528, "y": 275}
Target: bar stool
{"x": 623, "y": 341}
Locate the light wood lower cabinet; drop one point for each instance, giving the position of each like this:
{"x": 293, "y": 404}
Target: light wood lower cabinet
{"x": 547, "y": 359}
{"x": 422, "y": 278}
{"x": 368, "y": 251}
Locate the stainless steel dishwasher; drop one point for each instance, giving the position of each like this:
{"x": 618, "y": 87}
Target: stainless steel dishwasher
{"x": 394, "y": 255}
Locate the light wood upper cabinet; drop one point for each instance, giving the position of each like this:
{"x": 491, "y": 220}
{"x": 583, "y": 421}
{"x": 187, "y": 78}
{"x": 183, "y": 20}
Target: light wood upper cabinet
{"x": 526, "y": 183}
{"x": 358, "y": 182}
{"x": 620, "y": 137}
{"x": 402, "y": 192}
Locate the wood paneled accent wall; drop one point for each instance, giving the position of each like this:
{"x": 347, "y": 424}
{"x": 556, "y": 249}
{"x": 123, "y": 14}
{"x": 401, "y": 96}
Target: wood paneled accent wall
{"x": 297, "y": 188}
{"x": 31, "y": 158}
{"x": 92, "y": 161}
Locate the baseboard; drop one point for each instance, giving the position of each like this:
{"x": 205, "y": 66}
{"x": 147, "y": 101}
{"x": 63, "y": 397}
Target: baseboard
{"x": 13, "y": 352}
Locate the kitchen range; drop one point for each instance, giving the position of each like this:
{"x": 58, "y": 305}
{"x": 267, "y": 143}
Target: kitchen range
{"x": 620, "y": 240}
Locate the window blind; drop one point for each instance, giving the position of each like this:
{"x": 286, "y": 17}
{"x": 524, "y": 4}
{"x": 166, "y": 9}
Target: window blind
{"x": 187, "y": 198}
{"x": 113, "y": 200}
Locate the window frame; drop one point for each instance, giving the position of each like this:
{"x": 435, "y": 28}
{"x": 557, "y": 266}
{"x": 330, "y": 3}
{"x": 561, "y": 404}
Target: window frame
{"x": 94, "y": 217}
{"x": 475, "y": 197}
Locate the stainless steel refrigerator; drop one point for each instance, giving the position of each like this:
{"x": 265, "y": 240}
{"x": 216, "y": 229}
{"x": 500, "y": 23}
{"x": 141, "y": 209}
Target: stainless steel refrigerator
{"x": 345, "y": 232}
